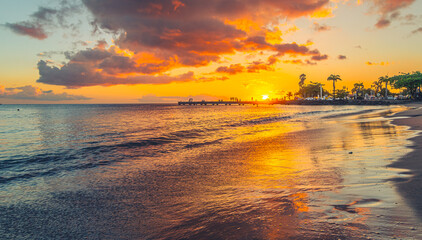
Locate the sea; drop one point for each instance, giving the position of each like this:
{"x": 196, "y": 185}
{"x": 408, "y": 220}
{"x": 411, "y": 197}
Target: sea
{"x": 163, "y": 171}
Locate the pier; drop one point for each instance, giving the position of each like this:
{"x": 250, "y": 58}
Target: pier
{"x": 239, "y": 103}
{"x": 216, "y": 103}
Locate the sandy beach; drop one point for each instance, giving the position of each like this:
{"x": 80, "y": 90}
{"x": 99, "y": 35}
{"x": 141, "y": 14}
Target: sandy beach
{"x": 411, "y": 189}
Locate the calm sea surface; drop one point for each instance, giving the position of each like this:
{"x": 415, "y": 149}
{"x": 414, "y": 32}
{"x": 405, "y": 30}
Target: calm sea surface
{"x": 201, "y": 172}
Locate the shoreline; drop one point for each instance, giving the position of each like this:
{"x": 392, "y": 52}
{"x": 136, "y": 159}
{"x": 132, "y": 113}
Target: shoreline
{"x": 411, "y": 188}
{"x": 340, "y": 102}
{"x": 343, "y": 102}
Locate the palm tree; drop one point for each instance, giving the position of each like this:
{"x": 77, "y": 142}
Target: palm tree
{"x": 302, "y": 78}
{"x": 377, "y": 85}
{"x": 289, "y": 95}
{"x": 386, "y": 80}
{"x": 334, "y": 78}
{"x": 357, "y": 87}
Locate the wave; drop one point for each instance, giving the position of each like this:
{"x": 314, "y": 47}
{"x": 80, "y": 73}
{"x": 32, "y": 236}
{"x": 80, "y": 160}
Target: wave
{"x": 349, "y": 113}
{"x": 117, "y": 147}
{"x": 206, "y": 143}
{"x": 47, "y": 164}
{"x": 281, "y": 118}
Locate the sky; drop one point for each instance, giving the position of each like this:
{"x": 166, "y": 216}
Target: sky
{"x": 156, "y": 51}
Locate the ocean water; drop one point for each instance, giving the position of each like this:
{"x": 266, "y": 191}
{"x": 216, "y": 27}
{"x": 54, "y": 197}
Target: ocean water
{"x": 202, "y": 172}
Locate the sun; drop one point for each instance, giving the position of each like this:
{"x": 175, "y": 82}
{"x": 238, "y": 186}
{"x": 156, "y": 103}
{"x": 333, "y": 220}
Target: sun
{"x": 265, "y": 97}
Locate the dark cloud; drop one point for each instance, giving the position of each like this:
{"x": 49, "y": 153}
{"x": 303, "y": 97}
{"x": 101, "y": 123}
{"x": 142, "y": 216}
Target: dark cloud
{"x": 320, "y": 28}
{"x": 254, "y": 67}
{"x": 232, "y": 69}
{"x": 100, "y": 66}
{"x": 319, "y": 57}
{"x": 33, "y": 30}
{"x": 45, "y": 18}
{"x": 34, "y": 93}
{"x": 307, "y": 62}
{"x": 382, "y": 23}
{"x": 295, "y": 49}
{"x": 194, "y": 31}
{"x": 419, "y": 30}
{"x": 76, "y": 75}
{"x": 80, "y": 43}
{"x": 44, "y": 13}
{"x": 272, "y": 60}
{"x": 111, "y": 62}
{"x": 294, "y": 61}
{"x": 50, "y": 54}
{"x": 200, "y": 8}
{"x": 101, "y": 44}
{"x": 238, "y": 68}
{"x": 88, "y": 55}
{"x": 300, "y": 62}
{"x": 211, "y": 79}
{"x": 156, "y": 36}
{"x": 118, "y": 64}
{"x": 389, "y": 10}
{"x": 342, "y": 57}
{"x": 389, "y": 6}
{"x": 410, "y": 19}
{"x": 258, "y": 66}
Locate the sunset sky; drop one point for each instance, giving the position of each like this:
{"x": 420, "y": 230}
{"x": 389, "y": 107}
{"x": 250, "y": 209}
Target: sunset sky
{"x": 128, "y": 51}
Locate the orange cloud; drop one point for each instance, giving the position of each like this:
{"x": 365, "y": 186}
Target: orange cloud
{"x": 244, "y": 24}
{"x": 323, "y": 13}
{"x": 300, "y": 62}
{"x": 157, "y": 36}
{"x": 257, "y": 66}
{"x": 377, "y": 64}
{"x": 274, "y": 37}
{"x": 254, "y": 67}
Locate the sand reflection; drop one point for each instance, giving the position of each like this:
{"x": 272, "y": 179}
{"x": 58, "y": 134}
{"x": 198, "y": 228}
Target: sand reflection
{"x": 318, "y": 182}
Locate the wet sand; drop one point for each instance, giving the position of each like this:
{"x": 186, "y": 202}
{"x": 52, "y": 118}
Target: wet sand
{"x": 411, "y": 189}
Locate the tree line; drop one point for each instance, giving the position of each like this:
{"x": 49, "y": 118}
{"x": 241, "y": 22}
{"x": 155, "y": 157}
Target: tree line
{"x": 408, "y": 83}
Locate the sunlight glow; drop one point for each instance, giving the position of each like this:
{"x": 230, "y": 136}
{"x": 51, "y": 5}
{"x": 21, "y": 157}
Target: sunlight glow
{"x": 265, "y": 97}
